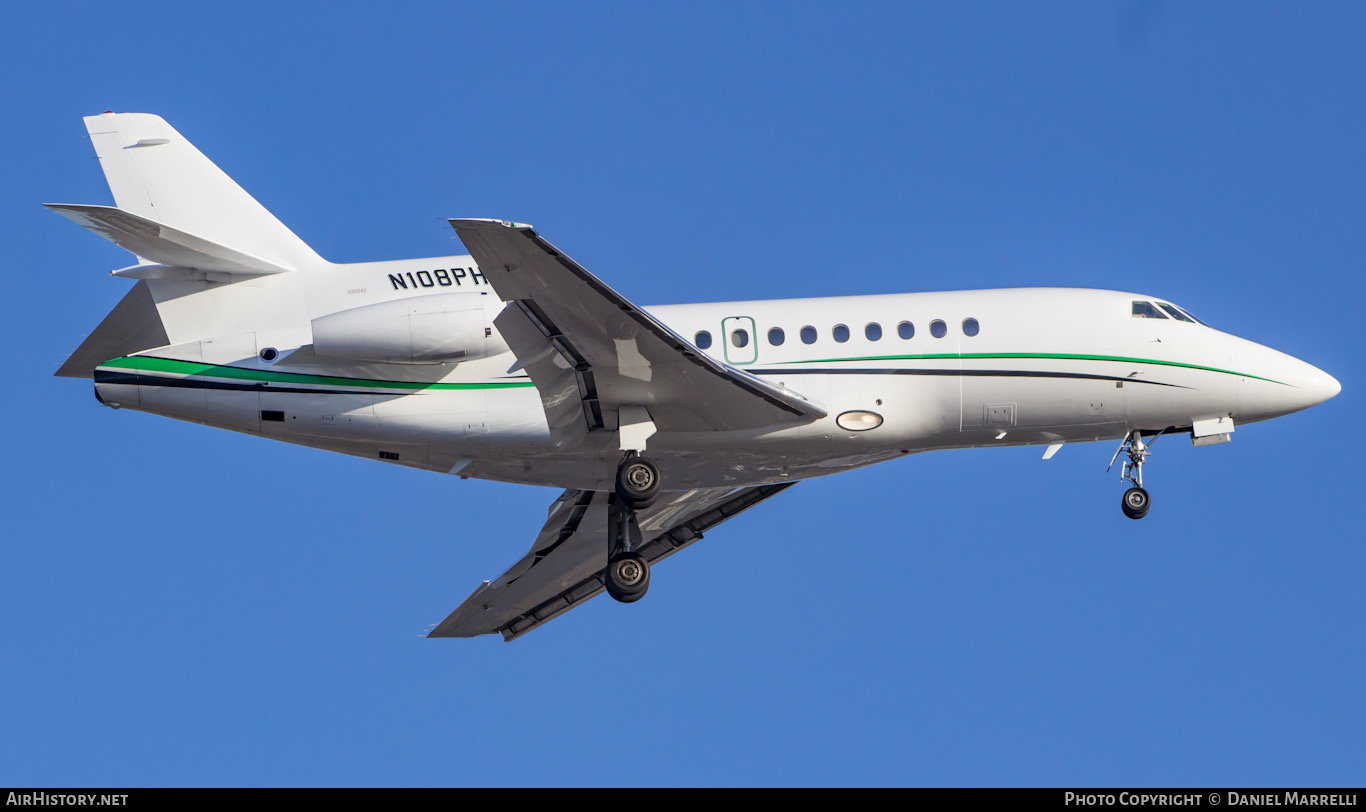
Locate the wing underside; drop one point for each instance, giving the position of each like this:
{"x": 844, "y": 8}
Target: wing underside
{"x": 602, "y": 364}
{"x": 564, "y": 567}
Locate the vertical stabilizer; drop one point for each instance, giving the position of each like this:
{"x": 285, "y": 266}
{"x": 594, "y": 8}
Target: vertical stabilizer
{"x": 158, "y": 175}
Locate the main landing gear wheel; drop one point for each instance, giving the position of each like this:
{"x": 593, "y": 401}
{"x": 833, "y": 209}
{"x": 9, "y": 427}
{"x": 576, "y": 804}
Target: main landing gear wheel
{"x": 627, "y": 577}
{"x": 637, "y": 482}
{"x": 1136, "y": 503}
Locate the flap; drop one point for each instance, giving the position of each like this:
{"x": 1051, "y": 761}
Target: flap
{"x": 590, "y": 351}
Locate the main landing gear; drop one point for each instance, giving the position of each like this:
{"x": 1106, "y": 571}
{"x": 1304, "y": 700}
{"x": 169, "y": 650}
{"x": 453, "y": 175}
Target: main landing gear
{"x": 627, "y": 576}
{"x": 637, "y": 481}
{"x": 1136, "y": 501}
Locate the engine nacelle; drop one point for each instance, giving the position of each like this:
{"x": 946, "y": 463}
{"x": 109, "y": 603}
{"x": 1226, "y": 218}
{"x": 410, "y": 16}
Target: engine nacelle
{"x": 432, "y": 329}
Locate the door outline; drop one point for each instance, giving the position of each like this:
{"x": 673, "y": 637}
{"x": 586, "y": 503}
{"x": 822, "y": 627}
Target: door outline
{"x": 739, "y": 356}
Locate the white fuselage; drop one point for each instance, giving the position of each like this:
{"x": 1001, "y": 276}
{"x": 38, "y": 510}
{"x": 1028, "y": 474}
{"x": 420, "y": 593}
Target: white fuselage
{"x": 1044, "y": 366}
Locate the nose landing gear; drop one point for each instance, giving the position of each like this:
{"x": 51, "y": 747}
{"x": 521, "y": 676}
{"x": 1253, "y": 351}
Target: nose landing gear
{"x": 1136, "y": 501}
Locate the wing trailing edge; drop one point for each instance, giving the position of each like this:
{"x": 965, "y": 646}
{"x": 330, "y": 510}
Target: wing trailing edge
{"x": 591, "y": 352}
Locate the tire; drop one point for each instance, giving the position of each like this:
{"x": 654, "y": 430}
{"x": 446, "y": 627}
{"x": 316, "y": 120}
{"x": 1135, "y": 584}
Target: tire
{"x": 638, "y": 482}
{"x": 627, "y": 577}
{"x": 1135, "y": 503}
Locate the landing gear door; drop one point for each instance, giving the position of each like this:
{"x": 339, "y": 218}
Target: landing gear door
{"x": 739, "y": 340}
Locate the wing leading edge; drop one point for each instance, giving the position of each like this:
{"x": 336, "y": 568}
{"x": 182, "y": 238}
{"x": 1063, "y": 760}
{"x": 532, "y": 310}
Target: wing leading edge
{"x": 564, "y": 566}
{"x": 591, "y": 352}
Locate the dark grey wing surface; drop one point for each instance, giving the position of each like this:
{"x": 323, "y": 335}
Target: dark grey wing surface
{"x": 564, "y": 567}
{"x": 590, "y": 351}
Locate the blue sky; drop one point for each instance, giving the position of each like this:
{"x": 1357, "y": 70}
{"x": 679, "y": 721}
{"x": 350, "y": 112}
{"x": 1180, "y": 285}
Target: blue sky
{"x": 186, "y": 606}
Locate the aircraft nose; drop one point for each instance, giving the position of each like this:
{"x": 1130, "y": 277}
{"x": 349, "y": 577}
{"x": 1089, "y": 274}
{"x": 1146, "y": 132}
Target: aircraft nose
{"x": 1318, "y": 385}
{"x": 1285, "y": 384}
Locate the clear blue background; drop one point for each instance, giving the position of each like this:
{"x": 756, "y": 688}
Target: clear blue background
{"x": 188, "y": 606}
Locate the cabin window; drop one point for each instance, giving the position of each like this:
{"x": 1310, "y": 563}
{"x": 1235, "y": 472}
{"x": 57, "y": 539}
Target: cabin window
{"x": 776, "y": 337}
{"x": 808, "y": 334}
{"x": 739, "y": 338}
{"x": 971, "y": 327}
{"x": 906, "y": 330}
{"x": 1145, "y": 310}
{"x": 873, "y": 331}
{"x": 938, "y": 329}
{"x": 841, "y": 333}
{"x": 702, "y": 339}
{"x": 1175, "y": 313}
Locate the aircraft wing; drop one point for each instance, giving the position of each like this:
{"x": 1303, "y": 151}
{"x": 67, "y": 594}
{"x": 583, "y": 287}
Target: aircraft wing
{"x": 591, "y": 352}
{"x": 564, "y": 567}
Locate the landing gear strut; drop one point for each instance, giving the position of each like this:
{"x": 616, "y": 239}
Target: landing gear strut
{"x": 1136, "y": 501}
{"x": 628, "y": 573}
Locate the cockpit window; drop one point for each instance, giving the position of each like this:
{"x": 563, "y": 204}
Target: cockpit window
{"x": 1175, "y": 312}
{"x": 1193, "y": 318}
{"x": 1145, "y": 310}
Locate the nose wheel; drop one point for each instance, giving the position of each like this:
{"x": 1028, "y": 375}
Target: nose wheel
{"x": 1135, "y": 503}
{"x": 1136, "y": 500}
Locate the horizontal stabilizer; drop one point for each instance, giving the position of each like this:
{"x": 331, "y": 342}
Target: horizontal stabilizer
{"x": 165, "y": 245}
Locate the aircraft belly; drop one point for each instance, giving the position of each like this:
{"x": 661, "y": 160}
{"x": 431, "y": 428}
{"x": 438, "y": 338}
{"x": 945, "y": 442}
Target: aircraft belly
{"x": 180, "y": 403}
{"x": 235, "y": 411}
{"x": 430, "y": 430}
{"x": 1192, "y": 394}
{"x": 501, "y": 434}
{"x": 1024, "y": 395}
{"x": 119, "y": 395}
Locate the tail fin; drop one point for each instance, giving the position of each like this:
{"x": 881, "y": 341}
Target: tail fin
{"x": 157, "y": 175}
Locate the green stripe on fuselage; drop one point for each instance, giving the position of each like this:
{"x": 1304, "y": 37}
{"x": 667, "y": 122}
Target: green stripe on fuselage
{"x": 988, "y": 356}
{"x": 147, "y": 363}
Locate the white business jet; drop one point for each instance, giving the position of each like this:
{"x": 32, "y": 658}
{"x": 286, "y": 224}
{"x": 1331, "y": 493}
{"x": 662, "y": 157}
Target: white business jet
{"x": 514, "y": 363}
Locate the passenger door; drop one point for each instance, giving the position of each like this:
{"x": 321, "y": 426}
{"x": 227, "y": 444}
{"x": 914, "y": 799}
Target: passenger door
{"x": 741, "y": 344}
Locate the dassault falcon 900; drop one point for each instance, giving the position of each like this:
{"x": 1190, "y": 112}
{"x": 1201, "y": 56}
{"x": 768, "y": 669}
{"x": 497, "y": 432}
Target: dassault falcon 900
{"x": 514, "y": 363}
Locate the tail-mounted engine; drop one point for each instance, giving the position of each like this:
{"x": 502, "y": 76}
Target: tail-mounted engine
{"x": 437, "y": 328}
